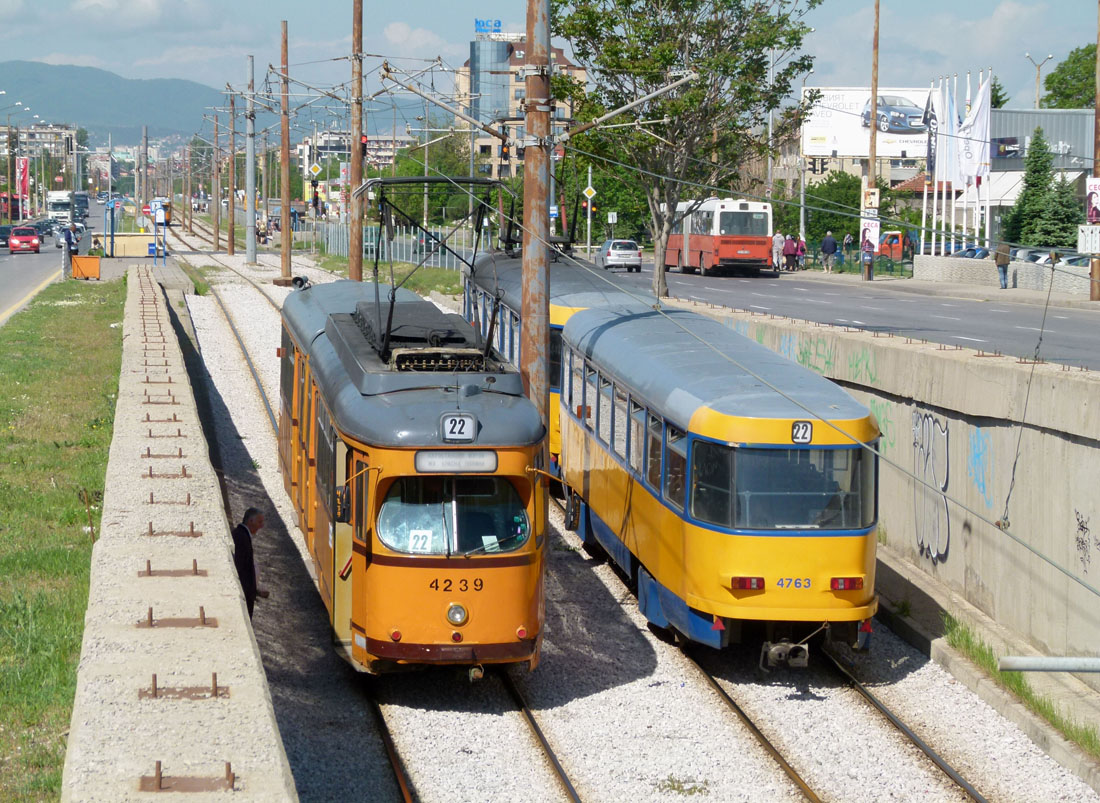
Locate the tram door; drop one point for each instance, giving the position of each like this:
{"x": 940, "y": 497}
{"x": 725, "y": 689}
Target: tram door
{"x": 342, "y": 562}
{"x": 361, "y": 529}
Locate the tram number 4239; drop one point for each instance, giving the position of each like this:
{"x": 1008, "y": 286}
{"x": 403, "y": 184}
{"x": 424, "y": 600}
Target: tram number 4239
{"x": 462, "y": 584}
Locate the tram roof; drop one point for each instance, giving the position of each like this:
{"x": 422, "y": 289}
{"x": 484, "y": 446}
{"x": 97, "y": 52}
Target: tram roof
{"x": 680, "y": 362}
{"x": 572, "y": 286}
{"x": 375, "y": 404}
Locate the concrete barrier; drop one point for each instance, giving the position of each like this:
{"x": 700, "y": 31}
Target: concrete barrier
{"x": 164, "y": 559}
{"x": 983, "y": 273}
{"x": 955, "y": 419}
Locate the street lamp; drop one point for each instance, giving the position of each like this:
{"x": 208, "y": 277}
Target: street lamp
{"x": 802, "y": 177}
{"x": 1038, "y": 67}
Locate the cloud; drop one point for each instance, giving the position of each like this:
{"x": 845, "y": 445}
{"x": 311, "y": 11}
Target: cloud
{"x": 186, "y": 54}
{"x": 164, "y": 16}
{"x": 401, "y": 39}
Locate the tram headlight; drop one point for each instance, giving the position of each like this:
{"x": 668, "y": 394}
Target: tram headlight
{"x": 457, "y": 615}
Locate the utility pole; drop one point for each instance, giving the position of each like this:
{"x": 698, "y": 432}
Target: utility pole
{"x": 872, "y": 164}
{"x": 355, "y": 212}
{"x": 263, "y": 178}
{"x": 535, "y": 346}
{"x": 188, "y": 211}
{"x": 287, "y": 236}
{"x": 231, "y": 224}
{"x": 427, "y": 138}
{"x": 216, "y": 190}
{"x": 250, "y": 167}
{"x": 1094, "y": 269}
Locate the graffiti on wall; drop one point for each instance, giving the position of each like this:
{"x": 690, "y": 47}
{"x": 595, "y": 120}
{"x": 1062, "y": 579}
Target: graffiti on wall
{"x": 862, "y": 366}
{"x": 979, "y": 464}
{"x": 883, "y": 412}
{"x": 931, "y": 444}
{"x": 1084, "y": 548}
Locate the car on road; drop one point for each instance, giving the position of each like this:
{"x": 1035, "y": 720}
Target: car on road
{"x": 24, "y": 238}
{"x": 895, "y": 114}
{"x": 5, "y": 232}
{"x": 620, "y": 253}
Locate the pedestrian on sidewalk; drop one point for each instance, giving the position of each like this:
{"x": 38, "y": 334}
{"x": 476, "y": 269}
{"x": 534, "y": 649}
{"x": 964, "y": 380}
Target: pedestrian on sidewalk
{"x": 70, "y": 242}
{"x": 801, "y": 253}
{"x": 790, "y": 253}
{"x": 1001, "y": 258}
{"x": 849, "y": 240}
{"x": 828, "y": 251}
{"x": 777, "y": 250}
{"x": 243, "y": 558}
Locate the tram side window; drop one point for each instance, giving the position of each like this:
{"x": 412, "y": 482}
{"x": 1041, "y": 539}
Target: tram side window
{"x": 591, "y": 396}
{"x": 618, "y": 436}
{"x": 326, "y": 459}
{"x": 286, "y": 369}
{"x": 653, "y": 452}
{"x": 711, "y": 482}
{"x": 675, "y": 465}
{"x": 555, "y": 359}
{"x": 604, "y": 419}
{"x": 302, "y": 398}
{"x": 637, "y": 436}
{"x": 513, "y": 348}
{"x": 363, "y": 516}
{"x": 576, "y": 387}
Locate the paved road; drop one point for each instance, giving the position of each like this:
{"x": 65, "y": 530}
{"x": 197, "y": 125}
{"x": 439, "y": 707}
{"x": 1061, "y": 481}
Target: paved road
{"x": 991, "y": 322}
{"x": 23, "y": 275}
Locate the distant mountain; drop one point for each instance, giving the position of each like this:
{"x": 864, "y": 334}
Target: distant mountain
{"x": 103, "y": 102}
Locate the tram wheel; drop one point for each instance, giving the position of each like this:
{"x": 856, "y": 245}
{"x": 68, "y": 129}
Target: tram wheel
{"x": 572, "y": 510}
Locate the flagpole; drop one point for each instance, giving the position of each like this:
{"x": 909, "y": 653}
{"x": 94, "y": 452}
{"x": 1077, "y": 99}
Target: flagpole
{"x": 927, "y": 172}
{"x": 936, "y": 170}
{"x": 954, "y": 168}
{"x": 989, "y": 167}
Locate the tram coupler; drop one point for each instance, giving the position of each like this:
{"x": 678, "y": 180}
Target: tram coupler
{"x": 477, "y": 672}
{"x": 783, "y": 653}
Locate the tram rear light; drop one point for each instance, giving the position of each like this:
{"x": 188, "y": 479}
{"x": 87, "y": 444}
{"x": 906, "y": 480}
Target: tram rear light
{"x": 395, "y": 635}
{"x": 456, "y": 637}
{"x": 521, "y": 632}
{"x": 846, "y": 583}
{"x": 747, "y": 583}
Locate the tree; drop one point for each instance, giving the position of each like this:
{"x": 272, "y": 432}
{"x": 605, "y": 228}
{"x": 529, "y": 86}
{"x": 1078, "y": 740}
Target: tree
{"x": 1038, "y": 176}
{"x": 448, "y": 157}
{"x": 1061, "y": 215}
{"x": 1072, "y": 84}
{"x": 833, "y": 205}
{"x": 997, "y": 96}
{"x": 709, "y": 127}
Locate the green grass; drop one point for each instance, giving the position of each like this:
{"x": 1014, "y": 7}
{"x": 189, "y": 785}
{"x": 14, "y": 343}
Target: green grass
{"x": 683, "y": 786}
{"x": 963, "y": 639}
{"x": 442, "y": 280}
{"x": 60, "y": 362}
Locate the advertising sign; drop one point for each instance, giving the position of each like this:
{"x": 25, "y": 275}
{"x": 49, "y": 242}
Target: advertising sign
{"x": 1092, "y": 199}
{"x": 840, "y": 123}
{"x": 22, "y": 173}
{"x": 868, "y": 230}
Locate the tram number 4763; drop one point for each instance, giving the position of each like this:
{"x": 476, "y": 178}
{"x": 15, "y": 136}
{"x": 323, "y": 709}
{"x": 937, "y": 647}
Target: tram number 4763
{"x": 446, "y": 584}
{"x": 794, "y": 582}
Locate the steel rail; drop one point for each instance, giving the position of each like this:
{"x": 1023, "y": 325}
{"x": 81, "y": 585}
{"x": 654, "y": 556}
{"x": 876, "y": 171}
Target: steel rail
{"x": 935, "y": 757}
{"x": 521, "y": 703}
{"x": 766, "y": 743}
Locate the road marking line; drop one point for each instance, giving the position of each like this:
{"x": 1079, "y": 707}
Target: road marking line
{"x": 946, "y": 317}
{"x": 15, "y": 307}
{"x": 971, "y": 339}
{"x": 755, "y": 306}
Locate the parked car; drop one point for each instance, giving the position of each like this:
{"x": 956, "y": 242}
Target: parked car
{"x": 5, "y": 232}
{"x": 620, "y": 253}
{"x": 895, "y": 114}
{"x": 43, "y": 226}
{"x": 24, "y": 238}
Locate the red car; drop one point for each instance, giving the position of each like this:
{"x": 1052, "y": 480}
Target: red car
{"x": 24, "y": 238}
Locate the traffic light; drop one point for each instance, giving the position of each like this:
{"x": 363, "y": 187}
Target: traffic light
{"x": 584, "y": 206}
{"x": 313, "y": 183}
{"x": 316, "y": 201}
{"x": 519, "y": 153}
{"x": 505, "y": 152}
{"x": 363, "y": 146}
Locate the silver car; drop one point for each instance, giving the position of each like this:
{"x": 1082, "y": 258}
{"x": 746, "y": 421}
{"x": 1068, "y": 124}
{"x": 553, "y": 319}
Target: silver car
{"x": 625, "y": 253}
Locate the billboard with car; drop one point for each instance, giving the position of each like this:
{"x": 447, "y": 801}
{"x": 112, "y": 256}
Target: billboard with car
{"x": 840, "y": 121}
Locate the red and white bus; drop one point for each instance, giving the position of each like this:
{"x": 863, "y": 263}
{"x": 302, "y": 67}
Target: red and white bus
{"x": 722, "y": 235}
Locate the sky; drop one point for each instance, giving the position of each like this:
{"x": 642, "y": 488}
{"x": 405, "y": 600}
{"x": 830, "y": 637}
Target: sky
{"x": 208, "y": 40}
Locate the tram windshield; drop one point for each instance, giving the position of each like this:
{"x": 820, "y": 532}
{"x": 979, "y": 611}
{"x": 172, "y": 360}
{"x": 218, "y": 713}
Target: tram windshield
{"x": 419, "y": 515}
{"x": 752, "y": 224}
{"x": 768, "y": 489}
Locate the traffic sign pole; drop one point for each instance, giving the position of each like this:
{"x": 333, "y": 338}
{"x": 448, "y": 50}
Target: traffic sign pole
{"x": 589, "y": 193}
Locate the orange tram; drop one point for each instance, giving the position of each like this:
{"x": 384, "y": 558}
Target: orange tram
{"x": 411, "y": 454}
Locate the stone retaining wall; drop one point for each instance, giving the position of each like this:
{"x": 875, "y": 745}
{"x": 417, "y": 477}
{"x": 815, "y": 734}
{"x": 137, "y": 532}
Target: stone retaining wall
{"x": 983, "y": 273}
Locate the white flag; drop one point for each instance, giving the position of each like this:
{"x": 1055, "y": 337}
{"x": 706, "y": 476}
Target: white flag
{"x": 973, "y": 139}
{"x": 947, "y": 134}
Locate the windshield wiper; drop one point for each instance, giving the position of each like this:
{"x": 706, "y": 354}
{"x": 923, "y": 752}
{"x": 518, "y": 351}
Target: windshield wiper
{"x": 497, "y": 543}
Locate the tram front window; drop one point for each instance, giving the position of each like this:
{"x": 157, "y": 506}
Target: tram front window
{"x": 827, "y": 489}
{"x": 419, "y": 516}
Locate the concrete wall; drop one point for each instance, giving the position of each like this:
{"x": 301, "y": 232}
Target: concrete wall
{"x": 159, "y": 476}
{"x": 954, "y": 419}
{"x": 982, "y": 272}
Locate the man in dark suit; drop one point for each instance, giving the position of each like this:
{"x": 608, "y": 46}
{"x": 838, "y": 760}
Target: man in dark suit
{"x": 243, "y": 559}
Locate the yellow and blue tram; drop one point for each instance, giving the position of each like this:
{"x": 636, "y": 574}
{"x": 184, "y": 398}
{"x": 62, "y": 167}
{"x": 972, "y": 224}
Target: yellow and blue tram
{"x": 492, "y": 302}
{"x": 728, "y": 482}
{"x": 409, "y": 449}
